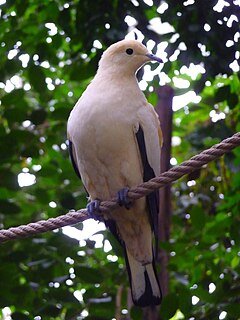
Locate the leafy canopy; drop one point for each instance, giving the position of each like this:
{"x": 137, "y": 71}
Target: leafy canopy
{"x": 49, "y": 52}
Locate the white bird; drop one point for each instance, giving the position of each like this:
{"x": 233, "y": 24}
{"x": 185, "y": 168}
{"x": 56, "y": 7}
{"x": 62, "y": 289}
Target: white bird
{"x": 115, "y": 140}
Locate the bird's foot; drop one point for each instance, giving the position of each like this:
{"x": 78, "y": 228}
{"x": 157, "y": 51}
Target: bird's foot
{"x": 93, "y": 209}
{"x": 123, "y": 199}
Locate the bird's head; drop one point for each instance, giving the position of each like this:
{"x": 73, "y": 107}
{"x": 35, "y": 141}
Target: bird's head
{"x": 126, "y": 56}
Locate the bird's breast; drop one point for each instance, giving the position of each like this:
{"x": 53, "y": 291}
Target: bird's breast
{"x": 102, "y": 127}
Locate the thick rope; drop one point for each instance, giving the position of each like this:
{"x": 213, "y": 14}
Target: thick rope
{"x": 142, "y": 190}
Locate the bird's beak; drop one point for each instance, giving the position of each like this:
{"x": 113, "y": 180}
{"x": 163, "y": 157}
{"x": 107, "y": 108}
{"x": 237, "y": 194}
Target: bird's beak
{"x": 154, "y": 58}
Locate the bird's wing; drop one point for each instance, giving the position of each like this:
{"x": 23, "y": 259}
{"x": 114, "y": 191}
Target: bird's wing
{"x": 149, "y": 139}
{"x": 148, "y": 173}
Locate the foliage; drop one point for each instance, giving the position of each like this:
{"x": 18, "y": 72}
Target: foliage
{"x": 48, "y": 56}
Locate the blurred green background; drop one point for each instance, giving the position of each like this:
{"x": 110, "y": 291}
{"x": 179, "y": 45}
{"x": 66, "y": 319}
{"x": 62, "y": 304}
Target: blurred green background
{"x": 49, "y": 52}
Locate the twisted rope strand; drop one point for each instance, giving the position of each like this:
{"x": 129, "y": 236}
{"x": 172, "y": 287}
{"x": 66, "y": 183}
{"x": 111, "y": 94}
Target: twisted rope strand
{"x": 142, "y": 190}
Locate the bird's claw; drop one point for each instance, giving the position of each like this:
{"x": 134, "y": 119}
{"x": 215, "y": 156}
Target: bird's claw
{"x": 93, "y": 208}
{"x": 123, "y": 199}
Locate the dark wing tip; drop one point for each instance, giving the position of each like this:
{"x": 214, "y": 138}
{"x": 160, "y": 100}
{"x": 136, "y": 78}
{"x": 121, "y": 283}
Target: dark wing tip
{"x": 71, "y": 152}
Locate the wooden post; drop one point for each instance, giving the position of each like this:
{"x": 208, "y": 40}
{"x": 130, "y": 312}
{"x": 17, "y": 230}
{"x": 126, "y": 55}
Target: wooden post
{"x": 164, "y": 111}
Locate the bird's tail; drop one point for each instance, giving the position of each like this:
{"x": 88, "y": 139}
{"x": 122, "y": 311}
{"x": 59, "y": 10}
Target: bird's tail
{"x": 145, "y": 287}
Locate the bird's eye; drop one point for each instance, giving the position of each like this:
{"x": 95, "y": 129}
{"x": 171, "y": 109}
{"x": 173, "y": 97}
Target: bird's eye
{"x": 129, "y": 51}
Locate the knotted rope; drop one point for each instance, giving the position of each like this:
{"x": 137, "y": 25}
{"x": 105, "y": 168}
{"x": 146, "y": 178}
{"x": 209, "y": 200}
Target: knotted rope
{"x": 141, "y": 190}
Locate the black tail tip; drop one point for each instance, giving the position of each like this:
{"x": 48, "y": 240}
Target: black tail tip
{"x": 147, "y": 301}
{"x": 148, "y": 298}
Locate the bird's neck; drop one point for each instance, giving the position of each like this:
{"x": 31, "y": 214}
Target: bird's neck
{"x": 117, "y": 77}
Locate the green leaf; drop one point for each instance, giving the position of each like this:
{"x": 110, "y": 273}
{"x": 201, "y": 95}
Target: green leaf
{"x": 88, "y": 275}
{"x": 13, "y": 97}
{"x": 19, "y": 316}
{"x": 102, "y": 310}
{"x": 68, "y": 201}
{"x": 8, "y": 179}
{"x": 136, "y": 312}
{"x": 223, "y": 93}
{"x": 38, "y": 116}
{"x": 197, "y": 217}
{"x": 185, "y": 300}
{"x": 233, "y": 309}
{"x": 169, "y": 306}
{"x": 9, "y": 207}
{"x": 37, "y": 78}
{"x": 235, "y": 262}
{"x": 233, "y": 100}
{"x": 82, "y": 71}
